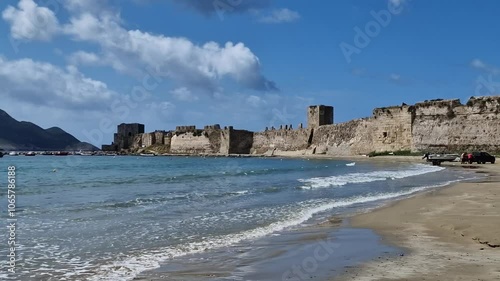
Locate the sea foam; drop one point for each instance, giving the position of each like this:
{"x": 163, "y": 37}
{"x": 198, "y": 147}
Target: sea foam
{"x": 129, "y": 267}
{"x": 353, "y": 178}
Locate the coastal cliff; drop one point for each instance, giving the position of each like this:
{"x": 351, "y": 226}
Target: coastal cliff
{"x": 430, "y": 126}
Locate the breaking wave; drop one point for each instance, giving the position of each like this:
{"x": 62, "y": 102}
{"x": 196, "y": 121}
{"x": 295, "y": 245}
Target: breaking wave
{"x": 353, "y": 178}
{"x": 128, "y": 268}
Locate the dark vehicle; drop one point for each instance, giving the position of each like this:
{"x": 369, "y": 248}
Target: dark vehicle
{"x": 482, "y": 158}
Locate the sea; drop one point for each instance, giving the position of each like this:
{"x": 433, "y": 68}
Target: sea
{"x": 128, "y": 217}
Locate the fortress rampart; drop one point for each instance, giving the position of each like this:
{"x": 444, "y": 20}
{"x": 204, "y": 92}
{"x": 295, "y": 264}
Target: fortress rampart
{"x": 430, "y": 126}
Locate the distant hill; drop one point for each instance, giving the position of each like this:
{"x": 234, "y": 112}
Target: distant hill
{"x": 15, "y": 135}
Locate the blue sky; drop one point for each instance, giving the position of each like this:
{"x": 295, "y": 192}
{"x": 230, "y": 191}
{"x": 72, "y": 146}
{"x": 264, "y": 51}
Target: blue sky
{"x": 88, "y": 65}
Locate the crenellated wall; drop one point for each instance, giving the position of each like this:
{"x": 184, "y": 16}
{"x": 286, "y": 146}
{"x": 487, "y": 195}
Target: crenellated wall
{"x": 391, "y": 128}
{"x": 190, "y": 143}
{"x": 430, "y": 126}
{"x": 284, "y": 140}
{"x": 186, "y": 141}
{"x": 451, "y": 126}
{"x": 349, "y": 138}
{"x": 388, "y": 129}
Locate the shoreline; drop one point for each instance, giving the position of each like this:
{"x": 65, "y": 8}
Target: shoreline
{"x": 448, "y": 234}
{"x": 281, "y": 258}
{"x": 353, "y": 270}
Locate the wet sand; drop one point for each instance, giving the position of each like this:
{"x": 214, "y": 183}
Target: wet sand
{"x": 449, "y": 234}
{"x": 312, "y": 253}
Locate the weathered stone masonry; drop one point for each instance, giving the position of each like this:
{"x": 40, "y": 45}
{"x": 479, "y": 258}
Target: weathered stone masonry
{"x": 431, "y": 126}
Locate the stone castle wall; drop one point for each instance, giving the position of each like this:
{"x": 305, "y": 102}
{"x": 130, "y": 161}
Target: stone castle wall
{"x": 434, "y": 126}
{"x": 451, "y": 126}
{"x": 283, "y": 140}
{"x": 391, "y": 128}
{"x": 319, "y": 115}
{"x": 349, "y": 138}
{"x": 190, "y": 143}
{"x": 124, "y": 138}
{"x": 148, "y": 139}
{"x": 184, "y": 141}
{"x": 240, "y": 141}
{"x": 431, "y": 126}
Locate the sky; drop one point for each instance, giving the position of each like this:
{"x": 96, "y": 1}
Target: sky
{"x": 88, "y": 65}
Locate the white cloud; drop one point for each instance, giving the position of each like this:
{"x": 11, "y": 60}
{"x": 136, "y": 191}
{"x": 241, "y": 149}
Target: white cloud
{"x": 91, "y": 6}
{"x": 164, "y": 109}
{"x": 280, "y": 16}
{"x": 255, "y": 101}
{"x": 190, "y": 65}
{"x": 31, "y": 22}
{"x": 395, "y": 77}
{"x": 135, "y": 52}
{"x": 477, "y": 63}
{"x": 84, "y": 58}
{"x": 183, "y": 94}
{"x": 46, "y": 84}
{"x": 482, "y": 66}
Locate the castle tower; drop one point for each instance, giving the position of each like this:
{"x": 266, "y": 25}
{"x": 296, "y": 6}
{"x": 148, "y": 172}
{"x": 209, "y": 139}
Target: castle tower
{"x": 126, "y": 133}
{"x": 318, "y": 115}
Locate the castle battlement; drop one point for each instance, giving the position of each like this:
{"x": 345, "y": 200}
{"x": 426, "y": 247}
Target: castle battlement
{"x": 430, "y": 126}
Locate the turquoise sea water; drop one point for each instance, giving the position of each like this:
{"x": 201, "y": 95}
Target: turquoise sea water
{"x": 111, "y": 218}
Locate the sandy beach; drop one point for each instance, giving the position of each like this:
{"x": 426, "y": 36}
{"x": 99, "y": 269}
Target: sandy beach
{"x": 449, "y": 234}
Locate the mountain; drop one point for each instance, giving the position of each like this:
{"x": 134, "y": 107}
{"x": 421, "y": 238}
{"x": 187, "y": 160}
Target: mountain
{"x": 16, "y": 135}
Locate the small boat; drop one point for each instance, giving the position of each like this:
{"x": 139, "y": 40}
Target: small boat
{"x": 61, "y": 153}
{"x": 47, "y": 153}
{"x": 13, "y": 153}
{"x": 148, "y": 154}
{"x": 31, "y": 153}
{"x": 437, "y": 159}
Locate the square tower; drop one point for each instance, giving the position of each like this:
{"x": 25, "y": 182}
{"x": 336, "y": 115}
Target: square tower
{"x": 126, "y": 133}
{"x": 318, "y": 115}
